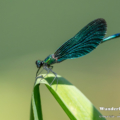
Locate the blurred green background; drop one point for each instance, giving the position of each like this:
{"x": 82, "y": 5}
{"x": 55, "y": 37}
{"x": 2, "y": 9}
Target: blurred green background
{"x": 31, "y": 30}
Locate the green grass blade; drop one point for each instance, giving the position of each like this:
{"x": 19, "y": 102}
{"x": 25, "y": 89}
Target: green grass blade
{"x": 72, "y": 100}
{"x": 36, "y": 109}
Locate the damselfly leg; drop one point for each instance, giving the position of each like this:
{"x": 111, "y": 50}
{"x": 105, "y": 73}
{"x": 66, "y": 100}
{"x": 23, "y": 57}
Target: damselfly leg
{"x": 38, "y": 76}
{"x": 48, "y": 69}
{"x": 41, "y": 71}
{"x": 54, "y": 77}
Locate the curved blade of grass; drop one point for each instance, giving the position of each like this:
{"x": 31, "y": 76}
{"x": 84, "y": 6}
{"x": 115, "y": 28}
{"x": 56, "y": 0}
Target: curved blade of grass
{"x": 72, "y": 100}
{"x": 36, "y": 109}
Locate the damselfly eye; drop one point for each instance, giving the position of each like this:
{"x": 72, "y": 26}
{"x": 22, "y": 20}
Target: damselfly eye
{"x": 38, "y": 63}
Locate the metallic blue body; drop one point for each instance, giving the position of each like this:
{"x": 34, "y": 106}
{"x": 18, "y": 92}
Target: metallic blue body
{"x": 111, "y": 37}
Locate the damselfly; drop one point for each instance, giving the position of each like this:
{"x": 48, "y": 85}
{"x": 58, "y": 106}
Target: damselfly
{"x": 81, "y": 44}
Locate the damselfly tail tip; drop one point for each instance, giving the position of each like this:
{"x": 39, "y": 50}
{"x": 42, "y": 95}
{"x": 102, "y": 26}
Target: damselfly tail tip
{"x": 117, "y": 35}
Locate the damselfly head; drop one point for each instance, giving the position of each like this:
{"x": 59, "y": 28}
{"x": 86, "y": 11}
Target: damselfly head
{"x": 39, "y": 63}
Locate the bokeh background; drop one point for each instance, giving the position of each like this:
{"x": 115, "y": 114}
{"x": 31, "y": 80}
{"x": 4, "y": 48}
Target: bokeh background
{"x": 31, "y": 30}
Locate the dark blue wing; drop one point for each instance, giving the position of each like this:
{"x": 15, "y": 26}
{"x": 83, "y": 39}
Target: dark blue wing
{"x": 83, "y": 42}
